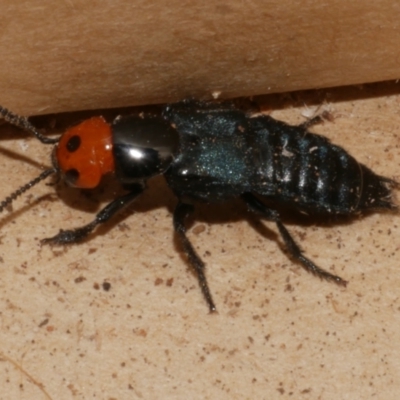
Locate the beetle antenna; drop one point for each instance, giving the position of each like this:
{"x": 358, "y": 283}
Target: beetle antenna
{"x": 22, "y": 122}
{"x": 9, "y": 199}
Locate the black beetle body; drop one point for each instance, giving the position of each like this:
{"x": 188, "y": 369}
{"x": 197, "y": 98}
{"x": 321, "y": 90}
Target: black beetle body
{"x": 213, "y": 152}
{"x": 225, "y": 153}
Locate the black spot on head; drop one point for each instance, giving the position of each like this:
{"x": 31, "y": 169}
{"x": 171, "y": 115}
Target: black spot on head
{"x": 73, "y": 143}
{"x": 71, "y": 176}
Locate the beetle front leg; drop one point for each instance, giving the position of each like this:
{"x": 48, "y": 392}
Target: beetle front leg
{"x": 181, "y": 212}
{"x": 78, "y": 234}
{"x": 258, "y": 207}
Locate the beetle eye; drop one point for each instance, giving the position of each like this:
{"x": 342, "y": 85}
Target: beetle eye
{"x": 71, "y": 176}
{"x": 73, "y": 143}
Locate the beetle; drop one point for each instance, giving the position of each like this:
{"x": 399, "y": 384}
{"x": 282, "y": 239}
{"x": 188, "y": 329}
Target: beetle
{"x": 212, "y": 152}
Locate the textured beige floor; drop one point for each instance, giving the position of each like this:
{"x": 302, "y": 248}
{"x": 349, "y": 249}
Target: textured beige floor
{"x": 279, "y": 333}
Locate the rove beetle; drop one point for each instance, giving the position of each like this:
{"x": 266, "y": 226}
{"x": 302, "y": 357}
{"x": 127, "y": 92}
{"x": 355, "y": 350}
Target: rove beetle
{"x": 212, "y": 152}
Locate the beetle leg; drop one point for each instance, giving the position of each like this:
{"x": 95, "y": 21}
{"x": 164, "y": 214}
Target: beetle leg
{"x": 78, "y": 234}
{"x": 258, "y": 207}
{"x": 182, "y": 210}
{"x": 315, "y": 120}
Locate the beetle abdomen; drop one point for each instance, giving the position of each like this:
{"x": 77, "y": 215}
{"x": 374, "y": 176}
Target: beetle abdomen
{"x": 307, "y": 171}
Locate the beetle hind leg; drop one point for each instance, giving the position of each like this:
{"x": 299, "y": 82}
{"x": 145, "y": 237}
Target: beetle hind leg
{"x": 260, "y": 208}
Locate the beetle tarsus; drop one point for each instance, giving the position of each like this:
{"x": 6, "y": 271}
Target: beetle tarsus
{"x": 70, "y": 236}
{"x": 260, "y": 208}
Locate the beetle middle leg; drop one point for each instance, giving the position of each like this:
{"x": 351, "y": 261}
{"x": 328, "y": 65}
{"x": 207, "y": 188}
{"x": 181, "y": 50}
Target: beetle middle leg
{"x": 258, "y": 207}
{"x": 182, "y": 210}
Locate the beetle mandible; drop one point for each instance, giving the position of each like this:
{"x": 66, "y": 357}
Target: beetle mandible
{"x": 212, "y": 152}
